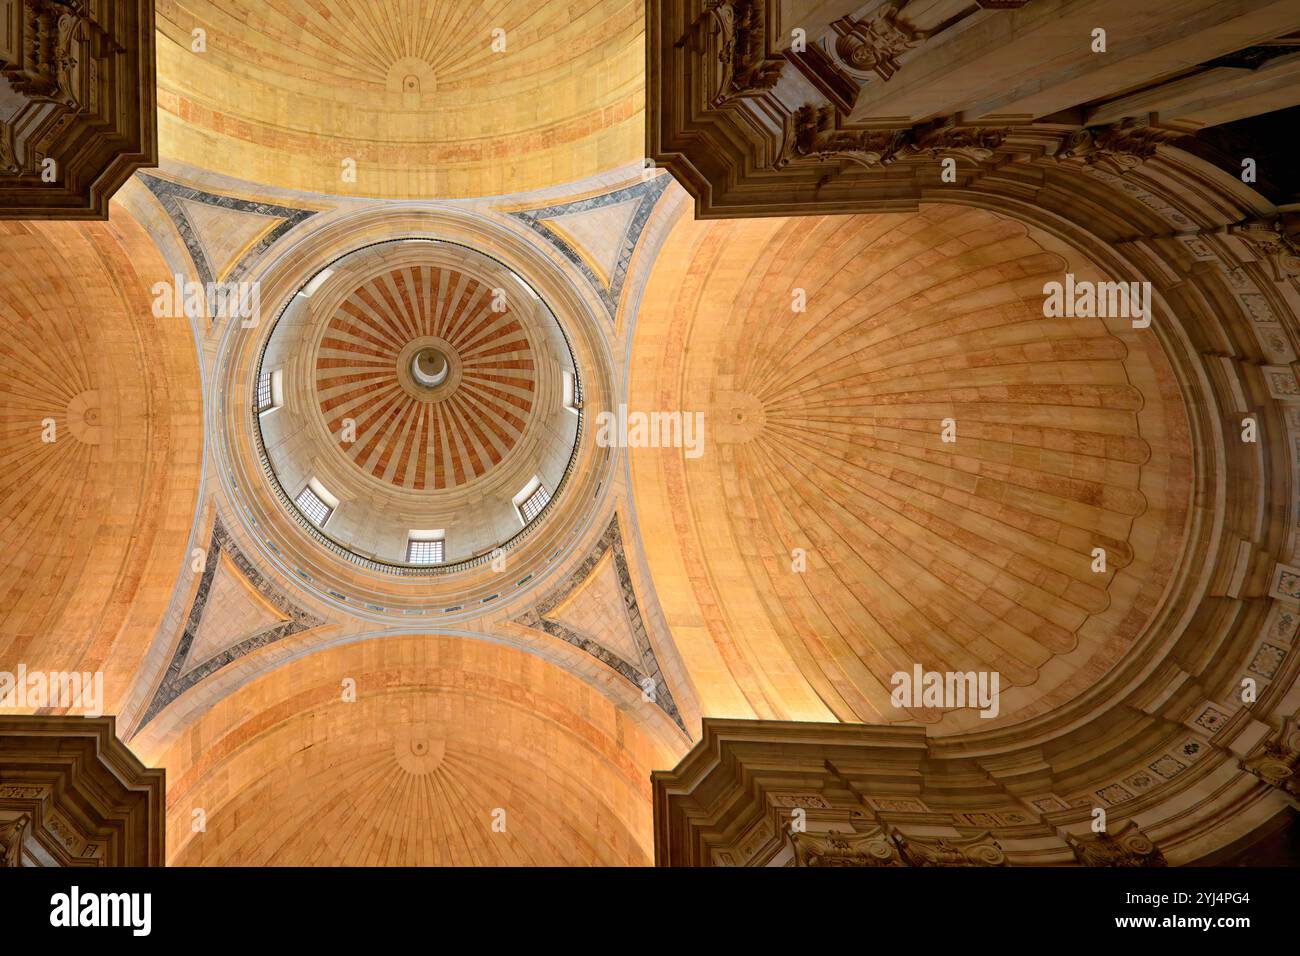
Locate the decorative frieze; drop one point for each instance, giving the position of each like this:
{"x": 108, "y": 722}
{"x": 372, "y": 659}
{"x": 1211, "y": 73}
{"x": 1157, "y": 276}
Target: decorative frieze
{"x": 814, "y": 135}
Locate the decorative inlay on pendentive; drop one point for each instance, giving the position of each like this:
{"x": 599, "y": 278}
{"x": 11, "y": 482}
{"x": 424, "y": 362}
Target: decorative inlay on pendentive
{"x": 600, "y": 233}
{"x": 643, "y": 673}
{"x": 183, "y": 673}
{"x": 207, "y": 222}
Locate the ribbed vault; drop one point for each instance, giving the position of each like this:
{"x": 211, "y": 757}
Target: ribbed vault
{"x": 825, "y": 446}
{"x": 412, "y": 91}
{"x": 444, "y": 734}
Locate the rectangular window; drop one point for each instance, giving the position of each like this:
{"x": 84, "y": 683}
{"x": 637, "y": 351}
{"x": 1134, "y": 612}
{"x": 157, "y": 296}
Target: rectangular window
{"x": 270, "y": 390}
{"x": 264, "y": 400}
{"x": 571, "y": 396}
{"x": 424, "y": 552}
{"x": 534, "y": 503}
{"x": 313, "y": 506}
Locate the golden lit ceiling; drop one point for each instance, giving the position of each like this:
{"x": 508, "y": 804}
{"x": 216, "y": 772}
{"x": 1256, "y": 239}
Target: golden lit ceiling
{"x": 401, "y": 448}
{"x": 412, "y": 91}
{"x": 826, "y": 449}
{"x": 445, "y": 738}
{"x": 407, "y": 438}
{"x": 374, "y": 580}
{"x": 101, "y": 442}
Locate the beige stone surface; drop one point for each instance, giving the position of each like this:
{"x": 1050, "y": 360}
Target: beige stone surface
{"x": 94, "y": 524}
{"x": 443, "y": 732}
{"x": 825, "y": 437}
{"x": 412, "y": 92}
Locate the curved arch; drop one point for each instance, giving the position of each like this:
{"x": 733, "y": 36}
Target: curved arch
{"x": 444, "y": 734}
{"x": 100, "y": 404}
{"x": 504, "y": 99}
{"x": 829, "y": 446}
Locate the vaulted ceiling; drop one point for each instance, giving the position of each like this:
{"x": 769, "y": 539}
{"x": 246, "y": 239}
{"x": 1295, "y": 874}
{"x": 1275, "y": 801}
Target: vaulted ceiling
{"x": 101, "y": 443}
{"x": 412, "y": 91}
{"x": 905, "y": 461}
{"x": 832, "y": 536}
{"x": 452, "y": 752}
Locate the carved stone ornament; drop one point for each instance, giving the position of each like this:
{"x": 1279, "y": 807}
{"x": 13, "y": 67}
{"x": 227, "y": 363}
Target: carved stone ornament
{"x": 11, "y": 841}
{"x": 1276, "y": 241}
{"x": 875, "y": 45}
{"x": 882, "y": 847}
{"x": 1127, "y": 848}
{"x": 874, "y": 848}
{"x": 1117, "y": 148}
{"x": 980, "y": 850}
{"x": 1278, "y": 763}
{"x": 743, "y": 53}
{"x": 813, "y": 134}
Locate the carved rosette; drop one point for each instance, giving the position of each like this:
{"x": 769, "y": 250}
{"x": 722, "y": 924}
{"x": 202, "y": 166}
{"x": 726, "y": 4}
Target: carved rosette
{"x": 1118, "y": 148}
{"x": 1129, "y": 847}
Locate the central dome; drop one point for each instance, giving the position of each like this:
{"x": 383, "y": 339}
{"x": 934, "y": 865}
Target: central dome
{"x": 425, "y": 378}
{"x": 417, "y": 404}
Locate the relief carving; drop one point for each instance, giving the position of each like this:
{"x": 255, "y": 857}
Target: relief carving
{"x": 743, "y": 54}
{"x": 52, "y": 29}
{"x": 12, "y": 833}
{"x": 1117, "y": 148}
{"x": 1276, "y": 241}
{"x": 875, "y": 45}
{"x": 1127, "y": 848}
{"x": 881, "y": 847}
{"x": 813, "y": 135}
{"x": 980, "y": 850}
{"x": 873, "y": 848}
{"x": 1278, "y": 764}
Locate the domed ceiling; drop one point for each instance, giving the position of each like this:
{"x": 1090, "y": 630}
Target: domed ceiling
{"x": 426, "y": 436}
{"x": 101, "y": 444}
{"x": 427, "y": 98}
{"x": 423, "y": 387}
{"x": 454, "y": 752}
{"x": 830, "y": 537}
